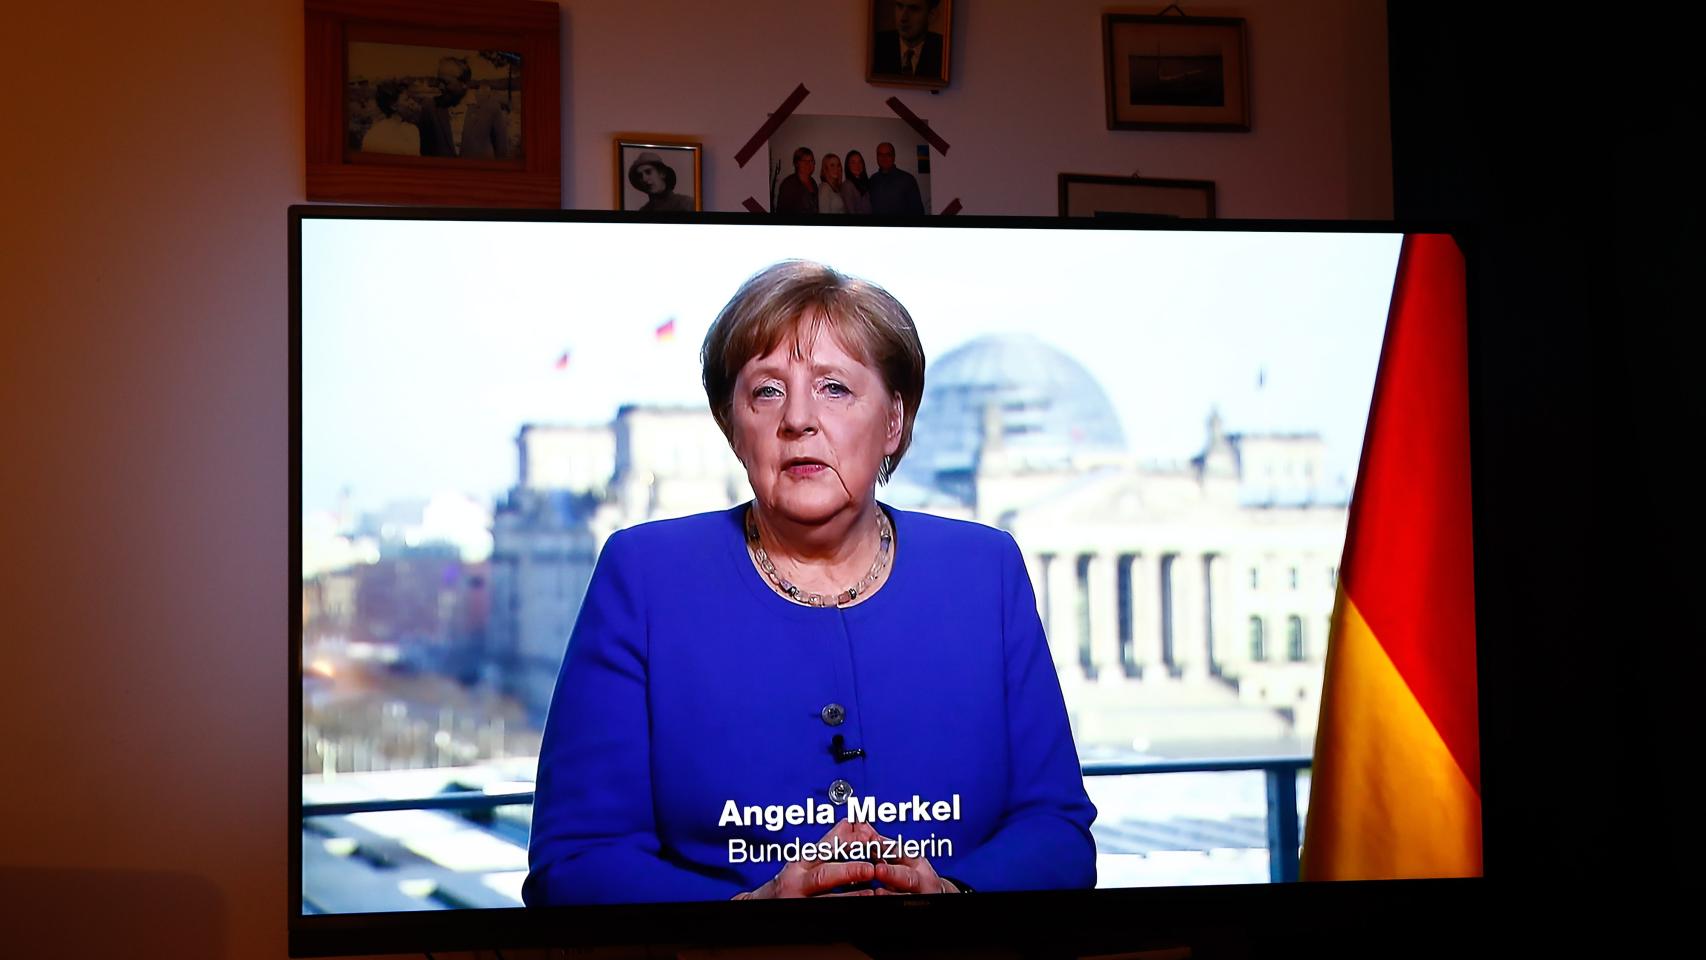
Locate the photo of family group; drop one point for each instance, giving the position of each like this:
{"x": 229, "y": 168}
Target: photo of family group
{"x": 418, "y": 101}
{"x": 849, "y": 165}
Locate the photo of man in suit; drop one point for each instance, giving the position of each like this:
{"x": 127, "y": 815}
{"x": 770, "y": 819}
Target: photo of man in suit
{"x": 463, "y": 121}
{"x": 912, "y": 51}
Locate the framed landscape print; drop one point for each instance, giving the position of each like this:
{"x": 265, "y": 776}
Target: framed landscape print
{"x": 1175, "y": 73}
{"x": 1095, "y": 195}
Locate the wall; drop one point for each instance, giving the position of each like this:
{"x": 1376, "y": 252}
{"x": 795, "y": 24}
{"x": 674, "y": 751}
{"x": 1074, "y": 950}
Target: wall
{"x": 1025, "y": 103}
{"x": 143, "y": 380}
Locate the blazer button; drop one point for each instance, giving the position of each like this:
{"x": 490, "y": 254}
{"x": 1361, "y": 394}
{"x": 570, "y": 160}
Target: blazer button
{"x": 839, "y": 791}
{"x": 834, "y": 714}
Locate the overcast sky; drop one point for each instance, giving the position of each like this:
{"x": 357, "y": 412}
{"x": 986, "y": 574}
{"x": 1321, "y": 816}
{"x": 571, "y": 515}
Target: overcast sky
{"x": 427, "y": 345}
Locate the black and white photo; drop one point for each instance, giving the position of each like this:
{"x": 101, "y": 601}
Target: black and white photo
{"x": 910, "y": 42}
{"x": 657, "y": 175}
{"x": 433, "y": 102}
{"x": 422, "y": 101}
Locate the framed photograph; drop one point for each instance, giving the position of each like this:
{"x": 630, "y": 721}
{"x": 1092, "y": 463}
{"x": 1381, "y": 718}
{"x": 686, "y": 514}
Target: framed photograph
{"x": 848, "y": 165}
{"x": 1175, "y": 73}
{"x": 436, "y": 102}
{"x": 1094, "y": 195}
{"x": 658, "y": 174}
{"x": 909, "y": 42}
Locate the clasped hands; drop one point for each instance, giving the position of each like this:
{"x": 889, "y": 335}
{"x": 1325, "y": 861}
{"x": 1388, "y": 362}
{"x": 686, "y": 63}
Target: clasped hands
{"x": 807, "y": 878}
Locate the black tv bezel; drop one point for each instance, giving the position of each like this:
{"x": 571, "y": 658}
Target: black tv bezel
{"x": 1055, "y": 921}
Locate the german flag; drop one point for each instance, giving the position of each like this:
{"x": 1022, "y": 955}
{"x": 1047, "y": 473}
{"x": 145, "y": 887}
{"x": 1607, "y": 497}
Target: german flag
{"x": 1396, "y": 789}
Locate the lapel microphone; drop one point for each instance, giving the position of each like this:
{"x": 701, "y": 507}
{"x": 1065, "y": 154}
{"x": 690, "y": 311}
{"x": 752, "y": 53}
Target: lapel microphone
{"x": 838, "y": 750}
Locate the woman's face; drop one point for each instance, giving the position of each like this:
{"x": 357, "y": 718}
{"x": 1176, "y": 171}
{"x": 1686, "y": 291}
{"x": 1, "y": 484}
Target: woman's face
{"x": 804, "y": 166}
{"x": 651, "y": 179}
{"x": 855, "y": 165}
{"x": 812, "y": 425}
{"x": 408, "y": 109}
{"x": 832, "y": 168}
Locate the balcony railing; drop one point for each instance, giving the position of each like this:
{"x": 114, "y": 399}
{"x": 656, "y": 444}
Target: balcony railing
{"x": 1284, "y": 828}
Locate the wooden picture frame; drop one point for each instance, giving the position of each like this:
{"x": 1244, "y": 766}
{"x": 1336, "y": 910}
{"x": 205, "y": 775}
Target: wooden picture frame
{"x": 1092, "y": 195}
{"x": 886, "y": 53}
{"x": 1175, "y": 73}
{"x": 635, "y": 152}
{"x": 498, "y": 145}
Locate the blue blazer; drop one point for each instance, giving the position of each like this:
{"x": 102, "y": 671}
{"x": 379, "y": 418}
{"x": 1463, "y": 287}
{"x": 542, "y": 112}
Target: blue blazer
{"x": 689, "y": 683}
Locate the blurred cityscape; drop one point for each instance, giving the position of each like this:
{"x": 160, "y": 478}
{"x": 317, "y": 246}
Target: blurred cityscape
{"x": 1186, "y": 605}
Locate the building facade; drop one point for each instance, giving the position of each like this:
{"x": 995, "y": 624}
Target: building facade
{"x": 1186, "y": 604}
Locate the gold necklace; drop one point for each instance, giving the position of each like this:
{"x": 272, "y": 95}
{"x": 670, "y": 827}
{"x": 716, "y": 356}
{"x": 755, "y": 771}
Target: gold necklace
{"x": 885, "y": 535}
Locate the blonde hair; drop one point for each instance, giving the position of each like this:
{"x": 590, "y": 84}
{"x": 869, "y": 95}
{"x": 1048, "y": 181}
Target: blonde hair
{"x": 794, "y": 300}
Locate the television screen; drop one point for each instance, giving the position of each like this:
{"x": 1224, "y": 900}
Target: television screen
{"x": 664, "y": 561}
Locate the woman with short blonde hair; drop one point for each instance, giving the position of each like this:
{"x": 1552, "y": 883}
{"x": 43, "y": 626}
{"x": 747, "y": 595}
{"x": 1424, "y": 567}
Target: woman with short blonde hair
{"x": 812, "y": 654}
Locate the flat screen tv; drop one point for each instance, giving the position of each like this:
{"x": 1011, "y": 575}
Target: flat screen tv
{"x": 723, "y": 579}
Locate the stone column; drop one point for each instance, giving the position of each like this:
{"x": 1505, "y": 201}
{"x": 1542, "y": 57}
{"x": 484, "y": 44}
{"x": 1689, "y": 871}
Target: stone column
{"x": 1190, "y": 633}
{"x": 1062, "y": 578}
{"x": 1105, "y": 618}
{"x": 1223, "y": 625}
{"x": 1146, "y": 615}
{"x": 1169, "y": 641}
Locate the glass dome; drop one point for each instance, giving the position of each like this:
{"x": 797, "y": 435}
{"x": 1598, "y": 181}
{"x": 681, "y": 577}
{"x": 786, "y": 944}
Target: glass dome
{"x": 1043, "y": 405}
